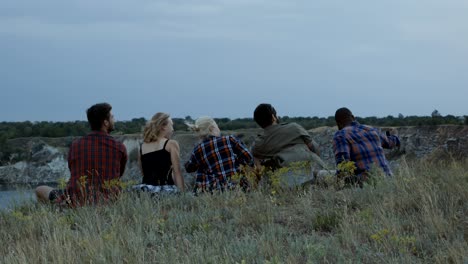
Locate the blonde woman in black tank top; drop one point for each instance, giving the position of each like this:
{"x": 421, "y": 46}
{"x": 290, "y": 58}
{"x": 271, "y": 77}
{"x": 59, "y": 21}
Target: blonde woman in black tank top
{"x": 158, "y": 157}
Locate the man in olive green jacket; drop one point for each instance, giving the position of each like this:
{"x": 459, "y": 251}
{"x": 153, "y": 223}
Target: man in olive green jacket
{"x": 282, "y": 143}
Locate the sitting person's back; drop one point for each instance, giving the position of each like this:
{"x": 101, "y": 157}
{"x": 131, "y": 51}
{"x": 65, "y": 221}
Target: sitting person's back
{"x": 215, "y": 158}
{"x": 361, "y": 144}
{"x": 96, "y": 162}
{"x": 282, "y": 144}
{"x": 159, "y": 157}
{"x": 156, "y": 166}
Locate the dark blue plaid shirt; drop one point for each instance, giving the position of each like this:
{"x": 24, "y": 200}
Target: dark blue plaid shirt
{"x": 216, "y": 159}
{"x": 363, "y": 145}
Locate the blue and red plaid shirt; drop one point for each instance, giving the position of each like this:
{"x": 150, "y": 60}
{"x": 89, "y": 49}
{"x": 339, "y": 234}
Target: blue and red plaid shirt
{"x": 216, "y": 159}
{"x": 96, "y": 162}
{"x": 364, "y": 146}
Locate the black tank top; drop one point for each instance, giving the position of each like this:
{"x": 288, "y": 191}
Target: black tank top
{"x": 157, "y": 167}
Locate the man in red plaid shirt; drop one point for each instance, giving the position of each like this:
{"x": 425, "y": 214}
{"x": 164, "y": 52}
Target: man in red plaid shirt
{"x": 96, "y": 162}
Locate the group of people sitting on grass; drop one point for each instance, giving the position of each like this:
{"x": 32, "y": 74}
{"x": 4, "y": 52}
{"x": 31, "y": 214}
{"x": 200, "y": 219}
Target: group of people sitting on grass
{"x": 97, "y": 160}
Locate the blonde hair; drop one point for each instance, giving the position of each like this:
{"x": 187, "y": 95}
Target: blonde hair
{"x": 202, "y": 126}
{"x": 154, "y": 126}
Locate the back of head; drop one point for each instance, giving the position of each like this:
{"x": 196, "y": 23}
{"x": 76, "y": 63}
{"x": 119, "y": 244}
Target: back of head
{"x": 154, "y": 126}
{"x": 263, "y": 115}
{"x": 343, "y": 116}
{"x": 97, "y": 114}
{"x": 202, "y": 126}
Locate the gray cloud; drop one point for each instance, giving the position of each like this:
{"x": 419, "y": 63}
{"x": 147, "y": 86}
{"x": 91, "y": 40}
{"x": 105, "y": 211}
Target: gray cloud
{"x": 307, "y": 57}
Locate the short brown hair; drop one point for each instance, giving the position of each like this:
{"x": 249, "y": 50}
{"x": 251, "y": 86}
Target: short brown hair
{"x": 97, "y": 114}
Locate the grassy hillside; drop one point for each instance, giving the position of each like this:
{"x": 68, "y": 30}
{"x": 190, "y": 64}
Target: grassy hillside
{"x": 418, "y": 216}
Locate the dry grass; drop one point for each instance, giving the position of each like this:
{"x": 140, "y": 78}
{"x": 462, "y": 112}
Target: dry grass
{"x": 418, "y": 216}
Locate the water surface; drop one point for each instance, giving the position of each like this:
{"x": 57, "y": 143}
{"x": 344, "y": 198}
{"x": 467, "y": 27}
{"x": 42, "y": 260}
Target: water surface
{"x": 11, "y": 195}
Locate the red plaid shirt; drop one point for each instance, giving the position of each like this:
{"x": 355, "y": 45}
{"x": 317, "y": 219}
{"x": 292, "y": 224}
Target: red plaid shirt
{"x": 96, "y": 162}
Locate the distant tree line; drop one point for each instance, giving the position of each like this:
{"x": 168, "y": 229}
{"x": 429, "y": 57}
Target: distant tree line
{"x": 10, "y": 130}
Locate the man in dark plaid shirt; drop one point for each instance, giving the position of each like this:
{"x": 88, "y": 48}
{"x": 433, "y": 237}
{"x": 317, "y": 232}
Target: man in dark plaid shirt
{"x": 216, "y": 159}
{"x": 361, "y": 144}
{"x": 96, "y": 162}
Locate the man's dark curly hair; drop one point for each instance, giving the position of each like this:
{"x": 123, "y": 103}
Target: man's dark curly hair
{"x": 262, "y": 115}
{"x": 97, "y": 114}
{"x": 343, "y": 115}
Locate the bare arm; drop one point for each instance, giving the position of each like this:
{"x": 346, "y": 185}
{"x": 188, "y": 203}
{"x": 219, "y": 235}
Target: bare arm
{"x": 308, "y": 140}
{"x": 313, "y": 146}
{"x": 139, "y": 159}
{"x": 173, "y": 148}
{"x": 123, "y": 161}
{"x": 139, "y": 163}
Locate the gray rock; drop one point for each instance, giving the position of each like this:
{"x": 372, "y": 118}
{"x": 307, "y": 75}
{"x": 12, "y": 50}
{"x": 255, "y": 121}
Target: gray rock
{"x": 48, "y": 156}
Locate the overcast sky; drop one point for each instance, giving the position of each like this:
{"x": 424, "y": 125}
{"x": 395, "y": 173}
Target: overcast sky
{"x": 223, "y": 57}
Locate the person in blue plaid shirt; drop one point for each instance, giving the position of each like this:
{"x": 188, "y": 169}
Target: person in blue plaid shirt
{"x": 361, "y": 144}
{"x": 215, "y": 158}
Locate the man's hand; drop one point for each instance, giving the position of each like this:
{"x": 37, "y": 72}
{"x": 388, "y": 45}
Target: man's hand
{"x": 391, "y": 135}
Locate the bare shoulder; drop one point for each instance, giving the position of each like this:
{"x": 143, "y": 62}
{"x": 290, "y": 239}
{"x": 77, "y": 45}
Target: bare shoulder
{"x": 172, "y": 144}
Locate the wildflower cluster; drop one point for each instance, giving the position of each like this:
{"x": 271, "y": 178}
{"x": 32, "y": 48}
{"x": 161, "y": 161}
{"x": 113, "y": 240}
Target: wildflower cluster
{"x": 273, "y": 180}
{"x": 385, "y": 238}
{"x": 91, "y": 189}
{"x": 21, "y": 216}
{"x": 346, "y": 172}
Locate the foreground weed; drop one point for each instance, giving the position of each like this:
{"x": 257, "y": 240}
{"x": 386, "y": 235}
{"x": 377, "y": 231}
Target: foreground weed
{"x": 326, "y": 222}
{"x": 417, "y": 216}
{"x": 390, "y": 241}
{"x": 278, "y": 180}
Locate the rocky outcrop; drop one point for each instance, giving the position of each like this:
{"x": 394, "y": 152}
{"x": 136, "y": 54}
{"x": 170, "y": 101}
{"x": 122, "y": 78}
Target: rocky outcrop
{"x": 46, "y": 158}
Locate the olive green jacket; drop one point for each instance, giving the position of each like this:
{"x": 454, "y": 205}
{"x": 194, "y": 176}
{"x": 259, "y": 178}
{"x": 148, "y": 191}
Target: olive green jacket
{"x": 286, "y": 143}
